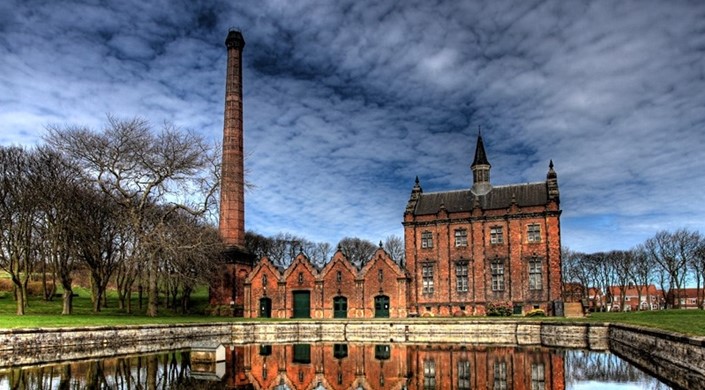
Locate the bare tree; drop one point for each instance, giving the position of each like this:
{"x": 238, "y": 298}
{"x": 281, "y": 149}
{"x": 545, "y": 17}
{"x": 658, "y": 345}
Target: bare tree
{"x": 101, "y": 240}
{"x": 394, "y": 245}
{"x": 319, "y": 252}
{"x": 357, "y": 250}
{"x": 672, "y": 252}
{"x": 697, "y": 264}
{"x": 642, "y": 273}
{"x": 59, "y": 219}
{"x": 576, "y": 272}
{"x": 138, "y": 168}
{"x": 604, "y": 274}
{"x": 622, "y": 263}
{"x": 18, "y": 209}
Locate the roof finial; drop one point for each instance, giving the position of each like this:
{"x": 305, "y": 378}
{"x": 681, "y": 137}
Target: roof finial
{"x": 380, "y": 244}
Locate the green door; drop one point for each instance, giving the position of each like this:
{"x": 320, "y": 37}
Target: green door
{"x": 302, "y": 304}
{"x": 340, "y": 307}
{"x": 265, "y": 308}
{"x": 381, "y": 306}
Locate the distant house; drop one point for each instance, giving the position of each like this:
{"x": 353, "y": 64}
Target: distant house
{"x": 687, "y": 298}
{"x": 636, "y": 297}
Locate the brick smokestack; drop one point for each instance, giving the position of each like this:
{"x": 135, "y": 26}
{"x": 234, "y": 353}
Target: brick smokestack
{"x": 232, "y": 179}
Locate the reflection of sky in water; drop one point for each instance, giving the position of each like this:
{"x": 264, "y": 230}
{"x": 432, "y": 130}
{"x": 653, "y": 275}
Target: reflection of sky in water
{"x": 604, "y": 370}
{"x": 591, "y": 385}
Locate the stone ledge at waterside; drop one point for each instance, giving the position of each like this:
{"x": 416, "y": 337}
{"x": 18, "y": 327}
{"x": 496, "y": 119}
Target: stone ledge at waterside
{"x": 678, "y": 359}
{"x": 551, "y": 334}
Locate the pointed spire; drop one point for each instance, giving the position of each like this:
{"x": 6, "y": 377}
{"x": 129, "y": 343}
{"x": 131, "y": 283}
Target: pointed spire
{"x": 480, "y": 155}
{"x": 414, "y": 197}
{"x": 551, "y": 173}
{"x": 552, "y": 182}
{"x": 480, "y": 169}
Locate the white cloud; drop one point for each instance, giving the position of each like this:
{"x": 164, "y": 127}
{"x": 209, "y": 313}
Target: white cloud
{"x": 345, "y": 103}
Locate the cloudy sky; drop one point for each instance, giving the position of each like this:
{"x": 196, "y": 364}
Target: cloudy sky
{"x": 347, "y": 101}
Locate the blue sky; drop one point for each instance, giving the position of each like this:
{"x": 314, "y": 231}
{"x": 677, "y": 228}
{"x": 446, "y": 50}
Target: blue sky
{"x": 347, "y": 101}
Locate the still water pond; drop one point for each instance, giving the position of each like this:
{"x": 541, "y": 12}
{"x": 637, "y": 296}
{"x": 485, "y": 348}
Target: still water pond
{"x": 341, "y": 366}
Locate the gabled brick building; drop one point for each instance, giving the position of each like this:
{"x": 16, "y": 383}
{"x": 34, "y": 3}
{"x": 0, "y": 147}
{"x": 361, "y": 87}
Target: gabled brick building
{"x": 464, "y": 249}
{"x": 486, "y": 244}
{"x": 339, "y": 290}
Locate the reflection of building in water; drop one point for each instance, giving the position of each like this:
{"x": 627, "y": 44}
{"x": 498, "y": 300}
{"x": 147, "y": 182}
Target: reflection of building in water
{"x": 387, "y": 366}
{"x": 481, "y": 367}
{"x": 334, "y": 366}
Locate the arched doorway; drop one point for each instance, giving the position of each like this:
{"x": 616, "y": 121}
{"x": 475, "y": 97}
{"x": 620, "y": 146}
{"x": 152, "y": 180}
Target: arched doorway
{"x": 381, "y": 306}
{"x": 265, "y": 308}
{"x": 340, "y": 307}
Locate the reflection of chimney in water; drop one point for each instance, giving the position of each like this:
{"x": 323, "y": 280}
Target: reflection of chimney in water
{"x": 232, "y": 179}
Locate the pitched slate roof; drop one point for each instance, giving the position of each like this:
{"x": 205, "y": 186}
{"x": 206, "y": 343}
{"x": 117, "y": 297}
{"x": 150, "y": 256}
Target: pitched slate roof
{"x": 500, "y": 197}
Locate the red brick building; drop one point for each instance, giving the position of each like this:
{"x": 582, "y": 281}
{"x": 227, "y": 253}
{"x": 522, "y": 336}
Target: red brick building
{"x": 464, "y": 249}
{"x": 339, "y": 290}
{"x": 487, "y": 244}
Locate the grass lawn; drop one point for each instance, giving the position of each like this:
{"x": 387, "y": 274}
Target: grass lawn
{"x": 690, "y": 322}
{"x": 41, "y": 313}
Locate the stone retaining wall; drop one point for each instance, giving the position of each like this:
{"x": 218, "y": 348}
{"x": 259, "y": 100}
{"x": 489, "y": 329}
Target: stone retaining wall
{"x": 591, "y": 336}
{"x": 677, "y": 359}
{"x": 37, "y": 346}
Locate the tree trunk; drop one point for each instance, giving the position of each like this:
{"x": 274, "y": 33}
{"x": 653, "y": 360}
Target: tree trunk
{"x": 67, "y": 301}
{"x": 20, "y": 304}
{"x": 96, "y": 298}
{"x": 152, "y": 289}
{"x": 140, "y": 294}
{"x": 128, "y": 307}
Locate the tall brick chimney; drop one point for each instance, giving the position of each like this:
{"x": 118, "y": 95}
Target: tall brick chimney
{"x": 232, "y": 179}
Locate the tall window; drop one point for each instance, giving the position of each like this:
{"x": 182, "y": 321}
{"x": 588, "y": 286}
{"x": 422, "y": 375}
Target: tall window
{"x": 380, "y": 275}
{"x": 426, "y": 240}
{"x": 461, "y": 237}
{"x": 463, "y": 375}
{"x": 533, "y": 233}
{"x": 496, "y": 235}
{"x": 338, "y": 276}
{"x": 535, "y": 274}
{"x": 429, "y": 375}
{"x": 538, "y": 377}
{"x": 500, "y": 376}
{"x": 301, "y": 278}
{"x": 497, "y": 268}
{"x": 461, "y": 276}
{"x": 427, "y": 278}
{"x": 264, "y": 279}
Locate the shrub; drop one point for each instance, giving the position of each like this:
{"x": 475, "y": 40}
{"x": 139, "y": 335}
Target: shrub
{"x": 536, "y": 313}
{"x": 499, "y": 309}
